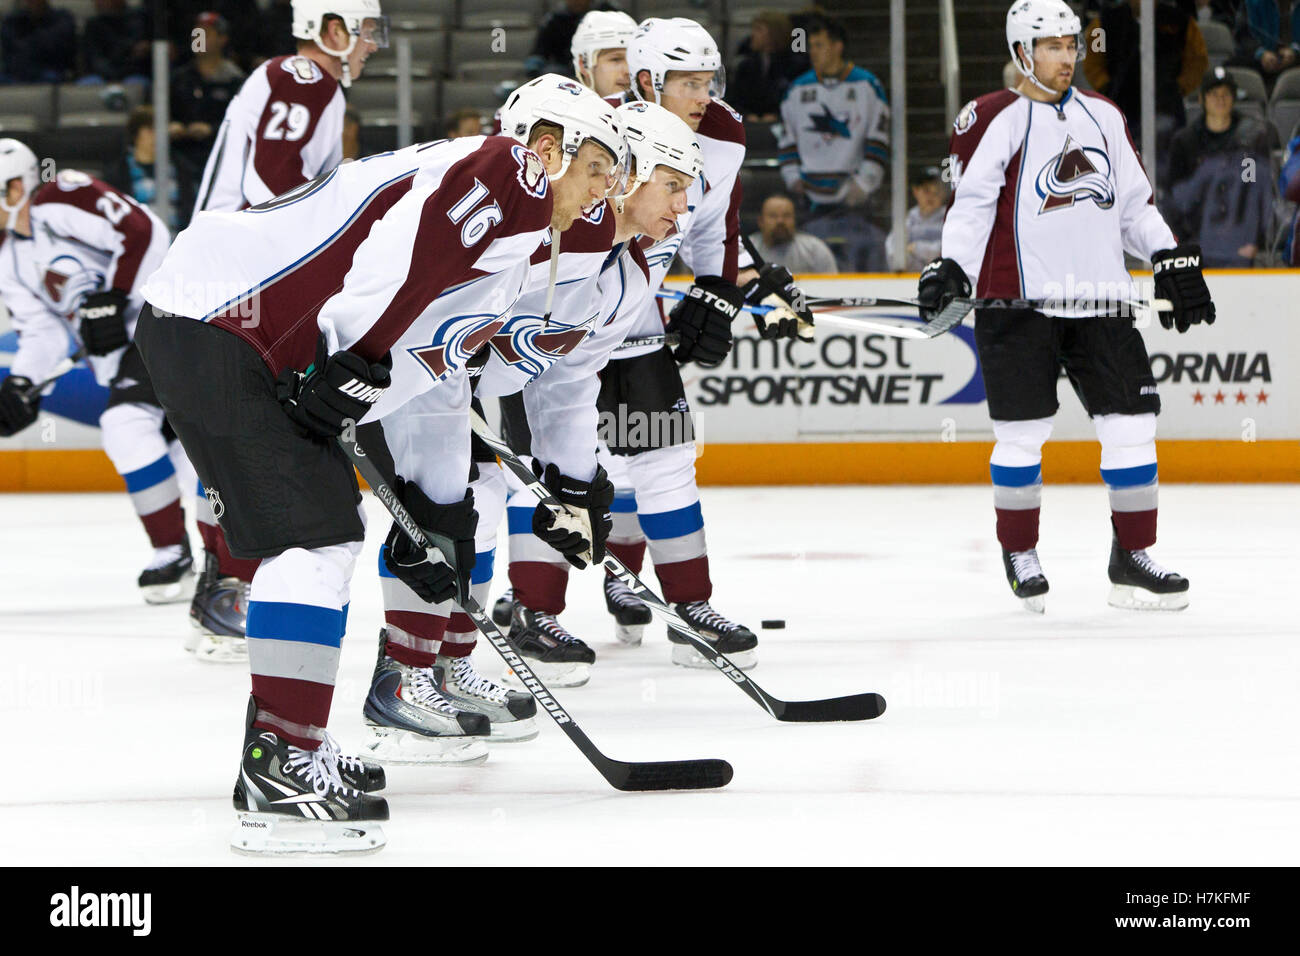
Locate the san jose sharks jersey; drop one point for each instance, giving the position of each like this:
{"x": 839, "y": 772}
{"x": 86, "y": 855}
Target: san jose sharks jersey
{"x": 419, "y": 252}
{"x": 835, "y": 129}
{"x": 86, "y": 237}
{"x": 1047, "y": 197}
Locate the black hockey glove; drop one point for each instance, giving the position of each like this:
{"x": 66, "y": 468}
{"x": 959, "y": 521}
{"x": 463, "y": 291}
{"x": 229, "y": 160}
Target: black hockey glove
{"x": 433, "y": 581}
{"x": 335, "y": 391}
{"x": 1178, "y": 279}
{"x": 580, "y": 535}
{"x": 703, "y": 321}
{"x": 17, "y": 411}
{"x": 941, "y": 281}
{"x": 103, "y": 321}
{"x": 790, "y": 318}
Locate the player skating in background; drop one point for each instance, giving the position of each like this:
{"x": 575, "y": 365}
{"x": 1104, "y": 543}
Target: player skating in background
{"x": 73, "y": 255}
{"x": 284, "y": 127}
{"x": 1049, "y": 195}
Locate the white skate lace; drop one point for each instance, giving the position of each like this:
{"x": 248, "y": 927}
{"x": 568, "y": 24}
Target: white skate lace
{"x": 164, "y": 556}
{"x": 474, "y": 683}
{"x": 620, "y": 593}
{"x": 319, "y": 768}
{"x": 1148, "y": 564}
{"x": 427, "y": 694}
{"x": 344, "y": 762}
{"x": 701, "y": 612}
{"x": 548, "y": 623}
{"x": 1025, "y": 565}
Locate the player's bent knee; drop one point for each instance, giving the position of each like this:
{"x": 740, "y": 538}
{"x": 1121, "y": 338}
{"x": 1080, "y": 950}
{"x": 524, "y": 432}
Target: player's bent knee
{"x": 1020, "y": 443}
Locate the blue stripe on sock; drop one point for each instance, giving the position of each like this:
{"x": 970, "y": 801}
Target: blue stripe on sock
{"x": 150, "y": 475}
{"x": 295, "y": 622}
{"x": 1016, "y": 477}
{"x": 200, "y": 490}
{"x": 624, "y": 504}
{"x": 519, "y": 520}
{"x": 343, "y": 626}
{"x": 484, "y": 564}
{"x": 1129, "y": 477}
{"x": 673, "y": 524}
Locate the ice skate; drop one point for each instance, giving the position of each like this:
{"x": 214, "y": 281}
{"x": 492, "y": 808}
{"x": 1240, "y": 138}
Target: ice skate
{"x": 1025, "y": 575}
{"x": 630, "y": 613}
{"x": 503, "y": 608}
{"x": 555, "y": 656}
{"x": 218, "y": 616}
{"x": 410, "y": 722}
{"x": 511, "y": 712}
{"x": 1138, "y": 583}
{"x": 169, "y": 578}
{"x": 735, "y": 640}
{"x": 294, "y": 802}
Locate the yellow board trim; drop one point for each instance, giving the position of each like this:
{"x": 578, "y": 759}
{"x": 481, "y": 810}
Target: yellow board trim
{"x": 870, "y": 463}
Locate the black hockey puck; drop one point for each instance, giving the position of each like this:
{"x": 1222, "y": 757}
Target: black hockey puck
{"x": 775, "y": 625}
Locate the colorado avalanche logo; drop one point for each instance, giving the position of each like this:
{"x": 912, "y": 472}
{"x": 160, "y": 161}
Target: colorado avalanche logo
{"x": 532, "y": 347}
{"x": 531, "y": 173}
{"x": 66, "y": 281}
{"x": 1075, "y": 174}
{"x": 448, "y": 352}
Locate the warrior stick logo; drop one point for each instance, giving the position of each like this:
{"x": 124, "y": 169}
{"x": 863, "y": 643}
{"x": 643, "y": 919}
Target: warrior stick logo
{"x": 1076, "y": 173}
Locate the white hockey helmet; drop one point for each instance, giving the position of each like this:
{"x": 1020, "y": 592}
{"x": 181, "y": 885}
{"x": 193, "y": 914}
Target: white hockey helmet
{"x": 674, "y": 44}
{"x": 17, "y": 161}
{"x": 575, "y": 109}
{"x": 599, "y": 30}
{"x": 656, "y": 137}
{"x": 309, "y": 19}
{"x": 1030, "y": 20}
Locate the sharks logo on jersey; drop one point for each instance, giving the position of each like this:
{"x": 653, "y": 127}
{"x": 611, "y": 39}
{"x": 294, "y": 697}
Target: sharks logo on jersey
{"x": 828, "y": 124}
{"x": 1077, "y": 173}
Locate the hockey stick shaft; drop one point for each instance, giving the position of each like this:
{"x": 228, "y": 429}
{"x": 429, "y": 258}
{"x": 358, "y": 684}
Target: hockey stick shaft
{"x": 855, "y": 707}
{"x": 65, "y": 366}
{"x": 622, "y": 775}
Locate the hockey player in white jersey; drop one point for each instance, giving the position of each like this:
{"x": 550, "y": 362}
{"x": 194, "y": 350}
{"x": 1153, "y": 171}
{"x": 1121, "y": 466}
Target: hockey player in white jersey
{"x": 675, "y": 64}
{"x": 268, "y": 332}
{"x": 429, "y": 438}
{"x": 1049, "y": 195}
{"x": 73, "y": 255}
{"x": 599, "y": 50}
{"x": 283, "y": 128}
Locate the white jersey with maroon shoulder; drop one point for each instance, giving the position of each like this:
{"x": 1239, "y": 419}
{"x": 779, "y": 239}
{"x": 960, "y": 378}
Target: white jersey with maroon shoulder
{"x": 86, "y": 237}
{"x": 283, "y": 127}
{"x": 707, "y": 236}
{"x": 420, "y": 252}
{"x": 1047, "y": 198}
{"x": 527, "y": 345}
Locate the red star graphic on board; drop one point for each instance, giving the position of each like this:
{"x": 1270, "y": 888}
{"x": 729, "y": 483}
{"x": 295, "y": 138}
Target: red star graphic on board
{"x": 1198, "y": 398}
{"x": 1240, "y": 397}
{"x": 1262, "y": 397}
{"x": 1219, "y": 397}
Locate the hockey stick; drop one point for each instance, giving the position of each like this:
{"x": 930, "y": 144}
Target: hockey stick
{"x": 622, "y": 775}
{"x": 65, "y": 366}
{"x": 855, "y": 707}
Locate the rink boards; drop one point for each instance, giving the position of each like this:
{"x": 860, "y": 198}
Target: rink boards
{"x": 859, "y": 407}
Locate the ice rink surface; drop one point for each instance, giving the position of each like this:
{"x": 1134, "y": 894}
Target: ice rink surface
{"x": 1086, "y": 736}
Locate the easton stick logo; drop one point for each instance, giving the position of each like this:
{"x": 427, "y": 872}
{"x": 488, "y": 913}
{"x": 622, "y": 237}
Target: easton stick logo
{"x": 728, "y": 669}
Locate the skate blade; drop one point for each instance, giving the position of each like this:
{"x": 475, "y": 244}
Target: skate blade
{"x": 1037, "y": 604}
{"x": 174, "y": 593}
{"x": 1130, "y": 598}
{"x": 219, "y": 649}
{"x": 684, "y": 655}
{"x": 272, "y": 834}
{"x": 553, "y": 675}
{"x": 513, "y": 731}
{"x": 389, "y": 745}
{"x": 629, "y": 635}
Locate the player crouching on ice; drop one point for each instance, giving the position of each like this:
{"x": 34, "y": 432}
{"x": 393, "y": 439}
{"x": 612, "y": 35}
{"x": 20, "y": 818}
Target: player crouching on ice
{"x": 1049, "y": 194}
{"x": 73, "y": 255}
{"x": 270, "y": 331}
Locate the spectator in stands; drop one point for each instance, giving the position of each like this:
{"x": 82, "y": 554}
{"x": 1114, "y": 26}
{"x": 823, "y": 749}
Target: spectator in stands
{"x": 1289, "y": 185}
{"x": 779, "y": 240}
{"x": 1115, "y": 69}
{"x": 835, "y": 147}
{"x": 552, "y": 47}
{"x": 243, "y": 25}
{"x": 1221, "y": 178}
{"x": 765, "y": 68}
{"x": 464, "y": 122}
{"x": 115, "y": 44}
{"x": 200, "y": 92}
{"x": 133, "y": 172}
{"x": 1258, "y": 32}
{"x": 351, "y": 135}
{"x": 38, "y": 44}
{"x": 924, "y": 221}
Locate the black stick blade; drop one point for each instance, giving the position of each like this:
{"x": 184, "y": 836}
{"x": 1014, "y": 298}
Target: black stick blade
{"x": 668, "y": 774}
{"x": 857, "y": 707}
